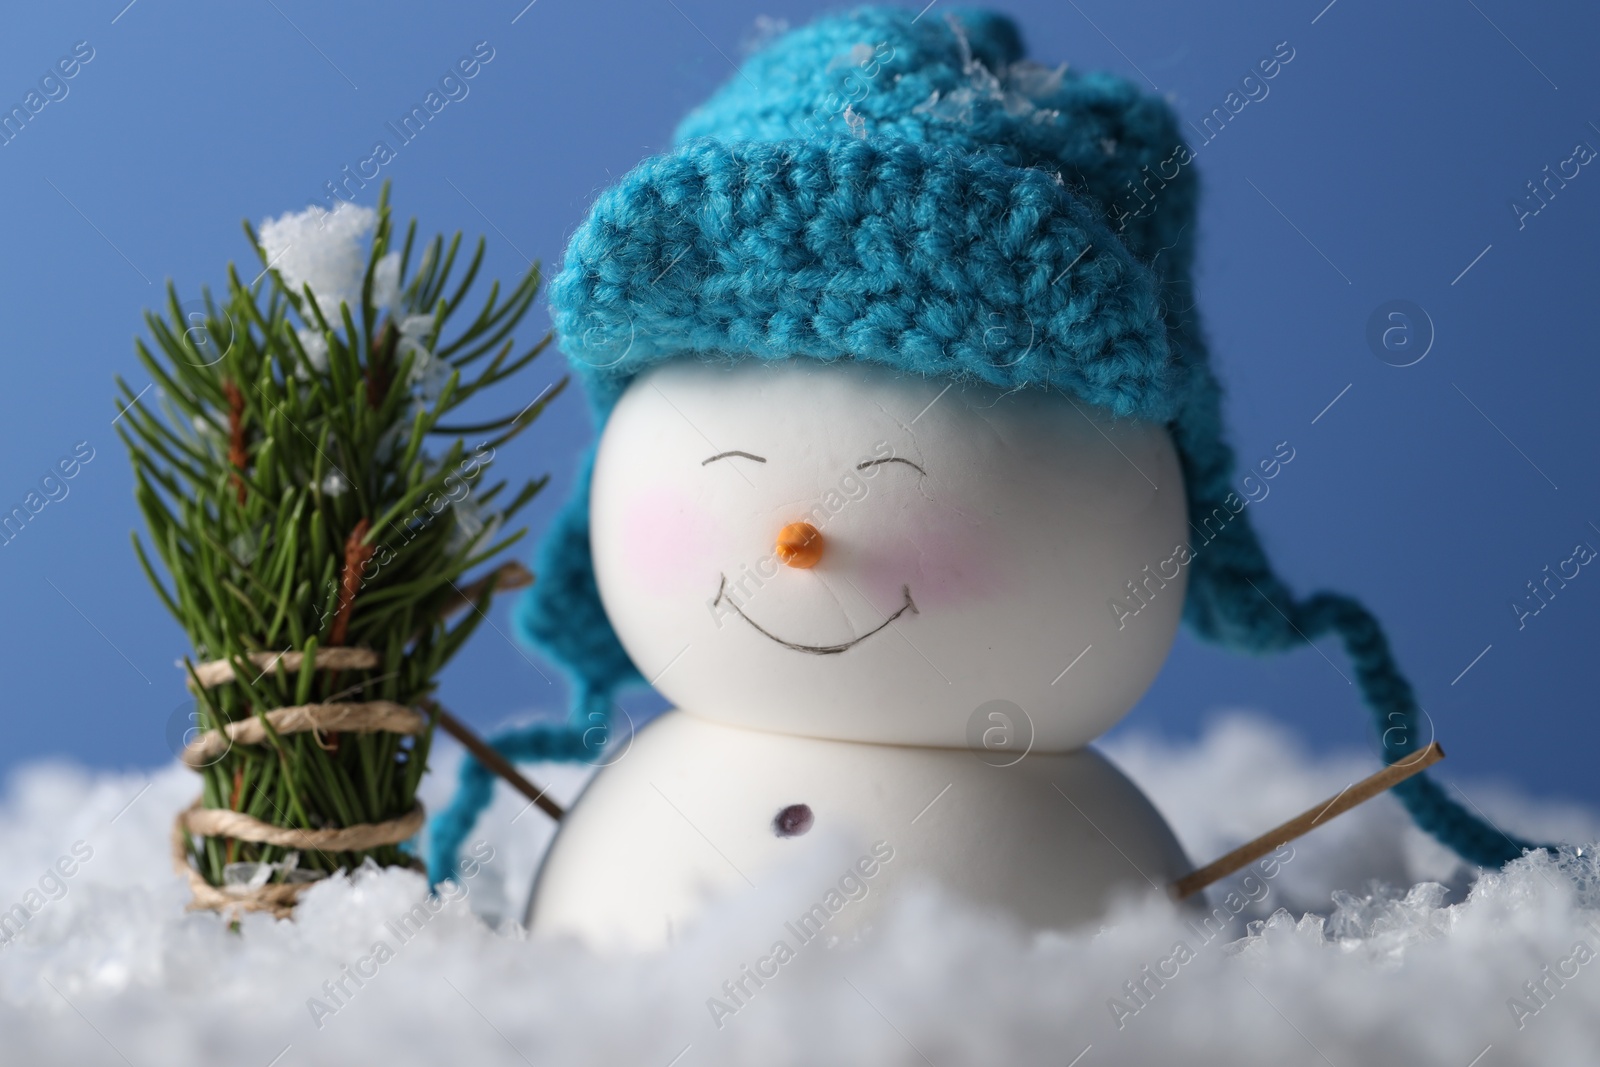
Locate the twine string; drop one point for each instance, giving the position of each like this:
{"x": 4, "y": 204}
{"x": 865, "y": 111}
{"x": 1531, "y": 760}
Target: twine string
{"x": 224, "y": 822}
{"x": 372, "y": 716}
{"x": 221, "y": 671}
{"x": 330, "y": 717}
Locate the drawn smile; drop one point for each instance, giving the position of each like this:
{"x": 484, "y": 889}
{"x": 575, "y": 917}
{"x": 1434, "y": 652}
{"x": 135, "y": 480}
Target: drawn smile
{"x": 815, "y": 650}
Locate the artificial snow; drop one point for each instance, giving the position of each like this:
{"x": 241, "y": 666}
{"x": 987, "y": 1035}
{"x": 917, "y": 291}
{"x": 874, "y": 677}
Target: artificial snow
{"x": 1319, "y": 967}
{"x": 327, "y": 251}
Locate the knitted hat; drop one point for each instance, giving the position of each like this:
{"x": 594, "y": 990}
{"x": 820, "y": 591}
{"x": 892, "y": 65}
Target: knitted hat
{"x": 890, "y": 188}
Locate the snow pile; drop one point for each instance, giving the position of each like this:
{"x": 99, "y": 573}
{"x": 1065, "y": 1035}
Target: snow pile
{"x": 327, "y": 251}
{"x": 110, "y": 969}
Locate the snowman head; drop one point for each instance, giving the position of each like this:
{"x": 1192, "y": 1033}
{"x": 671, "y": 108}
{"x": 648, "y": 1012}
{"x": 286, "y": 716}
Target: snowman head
{"x": 843, "y": 550}
{"x": 887, "y": 449}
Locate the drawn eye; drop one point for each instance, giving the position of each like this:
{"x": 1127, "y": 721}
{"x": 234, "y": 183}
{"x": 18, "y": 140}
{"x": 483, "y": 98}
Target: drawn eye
{"x": 890, "y": 459}
{"x": 725, "y": 455}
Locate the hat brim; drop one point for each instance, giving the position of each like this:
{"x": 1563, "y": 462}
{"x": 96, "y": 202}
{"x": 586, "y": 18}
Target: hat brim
{"x": 940, "y": 262}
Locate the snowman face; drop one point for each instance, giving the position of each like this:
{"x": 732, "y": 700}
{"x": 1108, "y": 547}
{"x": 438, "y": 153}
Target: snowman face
{"x": 838, "y": 550}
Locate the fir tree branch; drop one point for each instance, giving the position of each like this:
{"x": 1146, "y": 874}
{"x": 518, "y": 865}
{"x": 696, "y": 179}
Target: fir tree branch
{"x": 293, "y": 504}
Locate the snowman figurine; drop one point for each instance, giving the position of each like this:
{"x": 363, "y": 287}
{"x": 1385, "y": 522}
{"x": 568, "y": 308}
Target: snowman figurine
{"x": 911, "y": 463}
{"x": 879, "y": 605}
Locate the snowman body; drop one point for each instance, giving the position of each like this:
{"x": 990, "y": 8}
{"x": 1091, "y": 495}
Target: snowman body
{"x": 698, "y": 812}
{"x": 988, "y": 582}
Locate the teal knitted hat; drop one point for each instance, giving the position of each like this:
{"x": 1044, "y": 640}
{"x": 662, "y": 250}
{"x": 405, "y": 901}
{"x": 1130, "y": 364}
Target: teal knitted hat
{"x": 883, "y": 187}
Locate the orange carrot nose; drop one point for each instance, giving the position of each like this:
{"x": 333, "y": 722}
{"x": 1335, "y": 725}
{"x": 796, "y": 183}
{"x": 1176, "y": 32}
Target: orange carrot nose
{"x": 799, "y": 545}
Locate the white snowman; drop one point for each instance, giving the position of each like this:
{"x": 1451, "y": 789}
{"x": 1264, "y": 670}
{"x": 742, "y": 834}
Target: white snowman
{"x": 880, "y": 606}
{"x": 911, "y": 460}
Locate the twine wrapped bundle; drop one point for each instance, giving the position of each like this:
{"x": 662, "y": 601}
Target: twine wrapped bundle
{"x": 314, "y": 548}
{"x": 319, "y": 719}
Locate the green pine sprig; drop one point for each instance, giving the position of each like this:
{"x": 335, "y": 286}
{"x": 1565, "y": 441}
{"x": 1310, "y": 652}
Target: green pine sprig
{"x": 264, "y": 472}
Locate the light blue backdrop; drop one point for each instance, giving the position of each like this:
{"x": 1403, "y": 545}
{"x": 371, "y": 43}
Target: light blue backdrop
{"x": 1382, "y": 165}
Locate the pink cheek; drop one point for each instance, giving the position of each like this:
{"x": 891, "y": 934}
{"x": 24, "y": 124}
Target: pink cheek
{"x": 947, "y": 562}
{"x": 668, "y": 542}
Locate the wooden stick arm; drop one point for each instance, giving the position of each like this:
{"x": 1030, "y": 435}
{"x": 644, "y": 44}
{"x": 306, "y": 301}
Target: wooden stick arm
{"x": 509, "y": 575}
{"x": 496, "y": 762}
{"x": 506, "y": 577}
{"x": 1306, "y": 821}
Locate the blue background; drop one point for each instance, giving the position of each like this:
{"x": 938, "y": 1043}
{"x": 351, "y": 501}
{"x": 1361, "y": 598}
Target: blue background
{"x": 1381, "y": 166}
